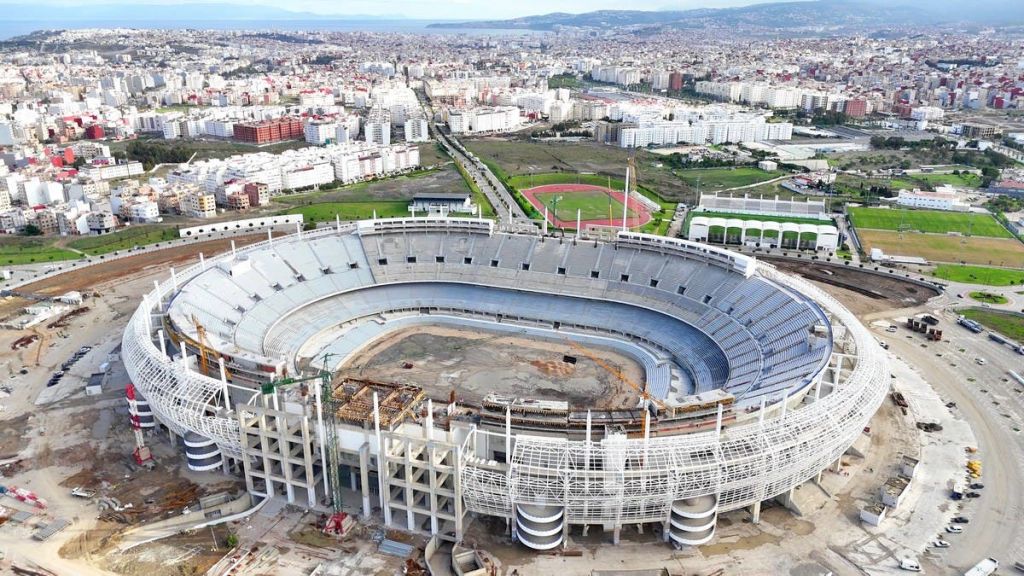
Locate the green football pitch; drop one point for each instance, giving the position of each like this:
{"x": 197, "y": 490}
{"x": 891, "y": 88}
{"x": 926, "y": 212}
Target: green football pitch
{"x": 929, "y": 221}
{"x": 592, "y": 204}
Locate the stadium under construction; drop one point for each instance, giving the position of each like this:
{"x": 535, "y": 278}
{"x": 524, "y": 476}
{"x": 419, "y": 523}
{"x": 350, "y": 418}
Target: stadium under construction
{"x": 754, "y": 381}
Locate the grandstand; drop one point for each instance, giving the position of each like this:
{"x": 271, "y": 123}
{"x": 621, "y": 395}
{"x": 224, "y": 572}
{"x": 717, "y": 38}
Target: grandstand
{"x": 754, "y": 380}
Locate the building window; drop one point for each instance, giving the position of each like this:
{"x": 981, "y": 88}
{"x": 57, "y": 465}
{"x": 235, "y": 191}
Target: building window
{"x": 654, "y": 282}
{"x": 526, "y": 265}
{"x": 561, "y": 270}
{"x": 439, "y": 259}
{"x": 595, "y": 273}
{"x": 681, "y": 290}
{"x": 382, "y": 261}
{"x": 494, "y": 263}
{"x": 467, "y": 260}
{"x": 624, "y": 278}
{"x": 410, "y": 259}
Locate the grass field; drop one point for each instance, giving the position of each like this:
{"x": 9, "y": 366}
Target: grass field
{"x": 713, "y": 179}
{"x": 979, "y": 275}
{"x": 326, "y": 211}
{"x": 1008, "y": 324}
{"x": 514, "y": 158}
{"x": 931, "y": 221}
{"x": 532, "y": 180}
{"x": 138, "y": 235}
{"x": 967, "y": 180}
{"x": 17, "y": 250}
{"x": 593, "y": 205}
{"x": 943, "y": 248}
{"x": 390, "y": 196}
{"x": 989, "y": 298}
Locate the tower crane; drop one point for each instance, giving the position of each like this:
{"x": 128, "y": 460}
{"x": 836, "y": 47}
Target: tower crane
{"x": 329, "y": 441}
{"x": 204, "y": 348}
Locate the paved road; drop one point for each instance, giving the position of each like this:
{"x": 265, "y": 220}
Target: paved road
{"x": 509, "y": 214}
{"x": 993, "y": 404}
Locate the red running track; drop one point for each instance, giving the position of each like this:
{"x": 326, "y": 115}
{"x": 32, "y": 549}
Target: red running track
{"x": 641, "y": 214}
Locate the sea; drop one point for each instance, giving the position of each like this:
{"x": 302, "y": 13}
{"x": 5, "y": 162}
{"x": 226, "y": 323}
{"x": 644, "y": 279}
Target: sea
{"x": 11, "y": 29}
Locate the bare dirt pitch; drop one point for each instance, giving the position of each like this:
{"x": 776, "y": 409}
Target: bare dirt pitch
{"x": 477, "y": 362}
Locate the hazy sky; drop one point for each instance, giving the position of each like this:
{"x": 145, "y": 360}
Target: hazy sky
{"x": 436, "y": 9}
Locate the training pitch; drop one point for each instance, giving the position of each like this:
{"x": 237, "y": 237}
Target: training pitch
{"x": 597, "y": 205}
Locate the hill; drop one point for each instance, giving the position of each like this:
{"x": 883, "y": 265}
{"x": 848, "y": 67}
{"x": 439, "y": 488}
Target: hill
{"x": 817, "y": 14}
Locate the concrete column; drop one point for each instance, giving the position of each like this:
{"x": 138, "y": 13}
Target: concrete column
{"x": 224, "y": 384}
{"x": 232, "y": 248}
{"x": 159, "y": 299}
{"x": 755, "y": 513}
{"x": 364, "y": 477}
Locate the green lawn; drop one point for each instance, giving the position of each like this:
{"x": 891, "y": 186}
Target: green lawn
{"x": 967, "y": 180}
{"x": 138, "y": 235}
{"x": 989, "y": 298}
{"x": 934, "y": 221}
{"x": 979, "y": 275}
{"x": 326, "y": 211}
{"x": 17, "y": 250}
{"x": 522, "y": 157}
{"x": 1009, "y": 324}
{"x": 593, "y": 205}
{"x": 712, "y": 179}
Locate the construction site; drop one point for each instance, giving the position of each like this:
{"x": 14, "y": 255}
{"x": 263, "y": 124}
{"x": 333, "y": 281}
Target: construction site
{"x": 474, "y": 364}
{"x": 421, "y": 436}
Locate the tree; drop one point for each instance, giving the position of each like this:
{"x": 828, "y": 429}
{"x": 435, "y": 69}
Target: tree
{"x": 31, "y": 230}
{"x": 231, "y": 540}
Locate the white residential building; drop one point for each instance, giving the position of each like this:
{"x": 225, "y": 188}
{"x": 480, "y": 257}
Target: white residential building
{"x": 416, "y": 130}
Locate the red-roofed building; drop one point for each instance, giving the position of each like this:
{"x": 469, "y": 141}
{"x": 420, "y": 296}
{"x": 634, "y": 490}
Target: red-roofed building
{"x": 94, "y": 132}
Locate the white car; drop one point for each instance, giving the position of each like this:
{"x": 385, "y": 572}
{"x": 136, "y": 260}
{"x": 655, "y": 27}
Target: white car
{"x": 910, "y": 565}
{"x": 940, "y": 543}
{"x": 980, "y": 361}
{"x": 954, "y": 529}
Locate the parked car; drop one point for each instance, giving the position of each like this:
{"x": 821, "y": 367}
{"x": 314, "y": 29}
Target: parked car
{"x": 940, "y": 543}
{"x": 961, "y": 520}
{"x": 976, "y": 486}
{"x": 972, "y": 495}
{"x": 910, "y": 565}
{"x": 952, "y": 529}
